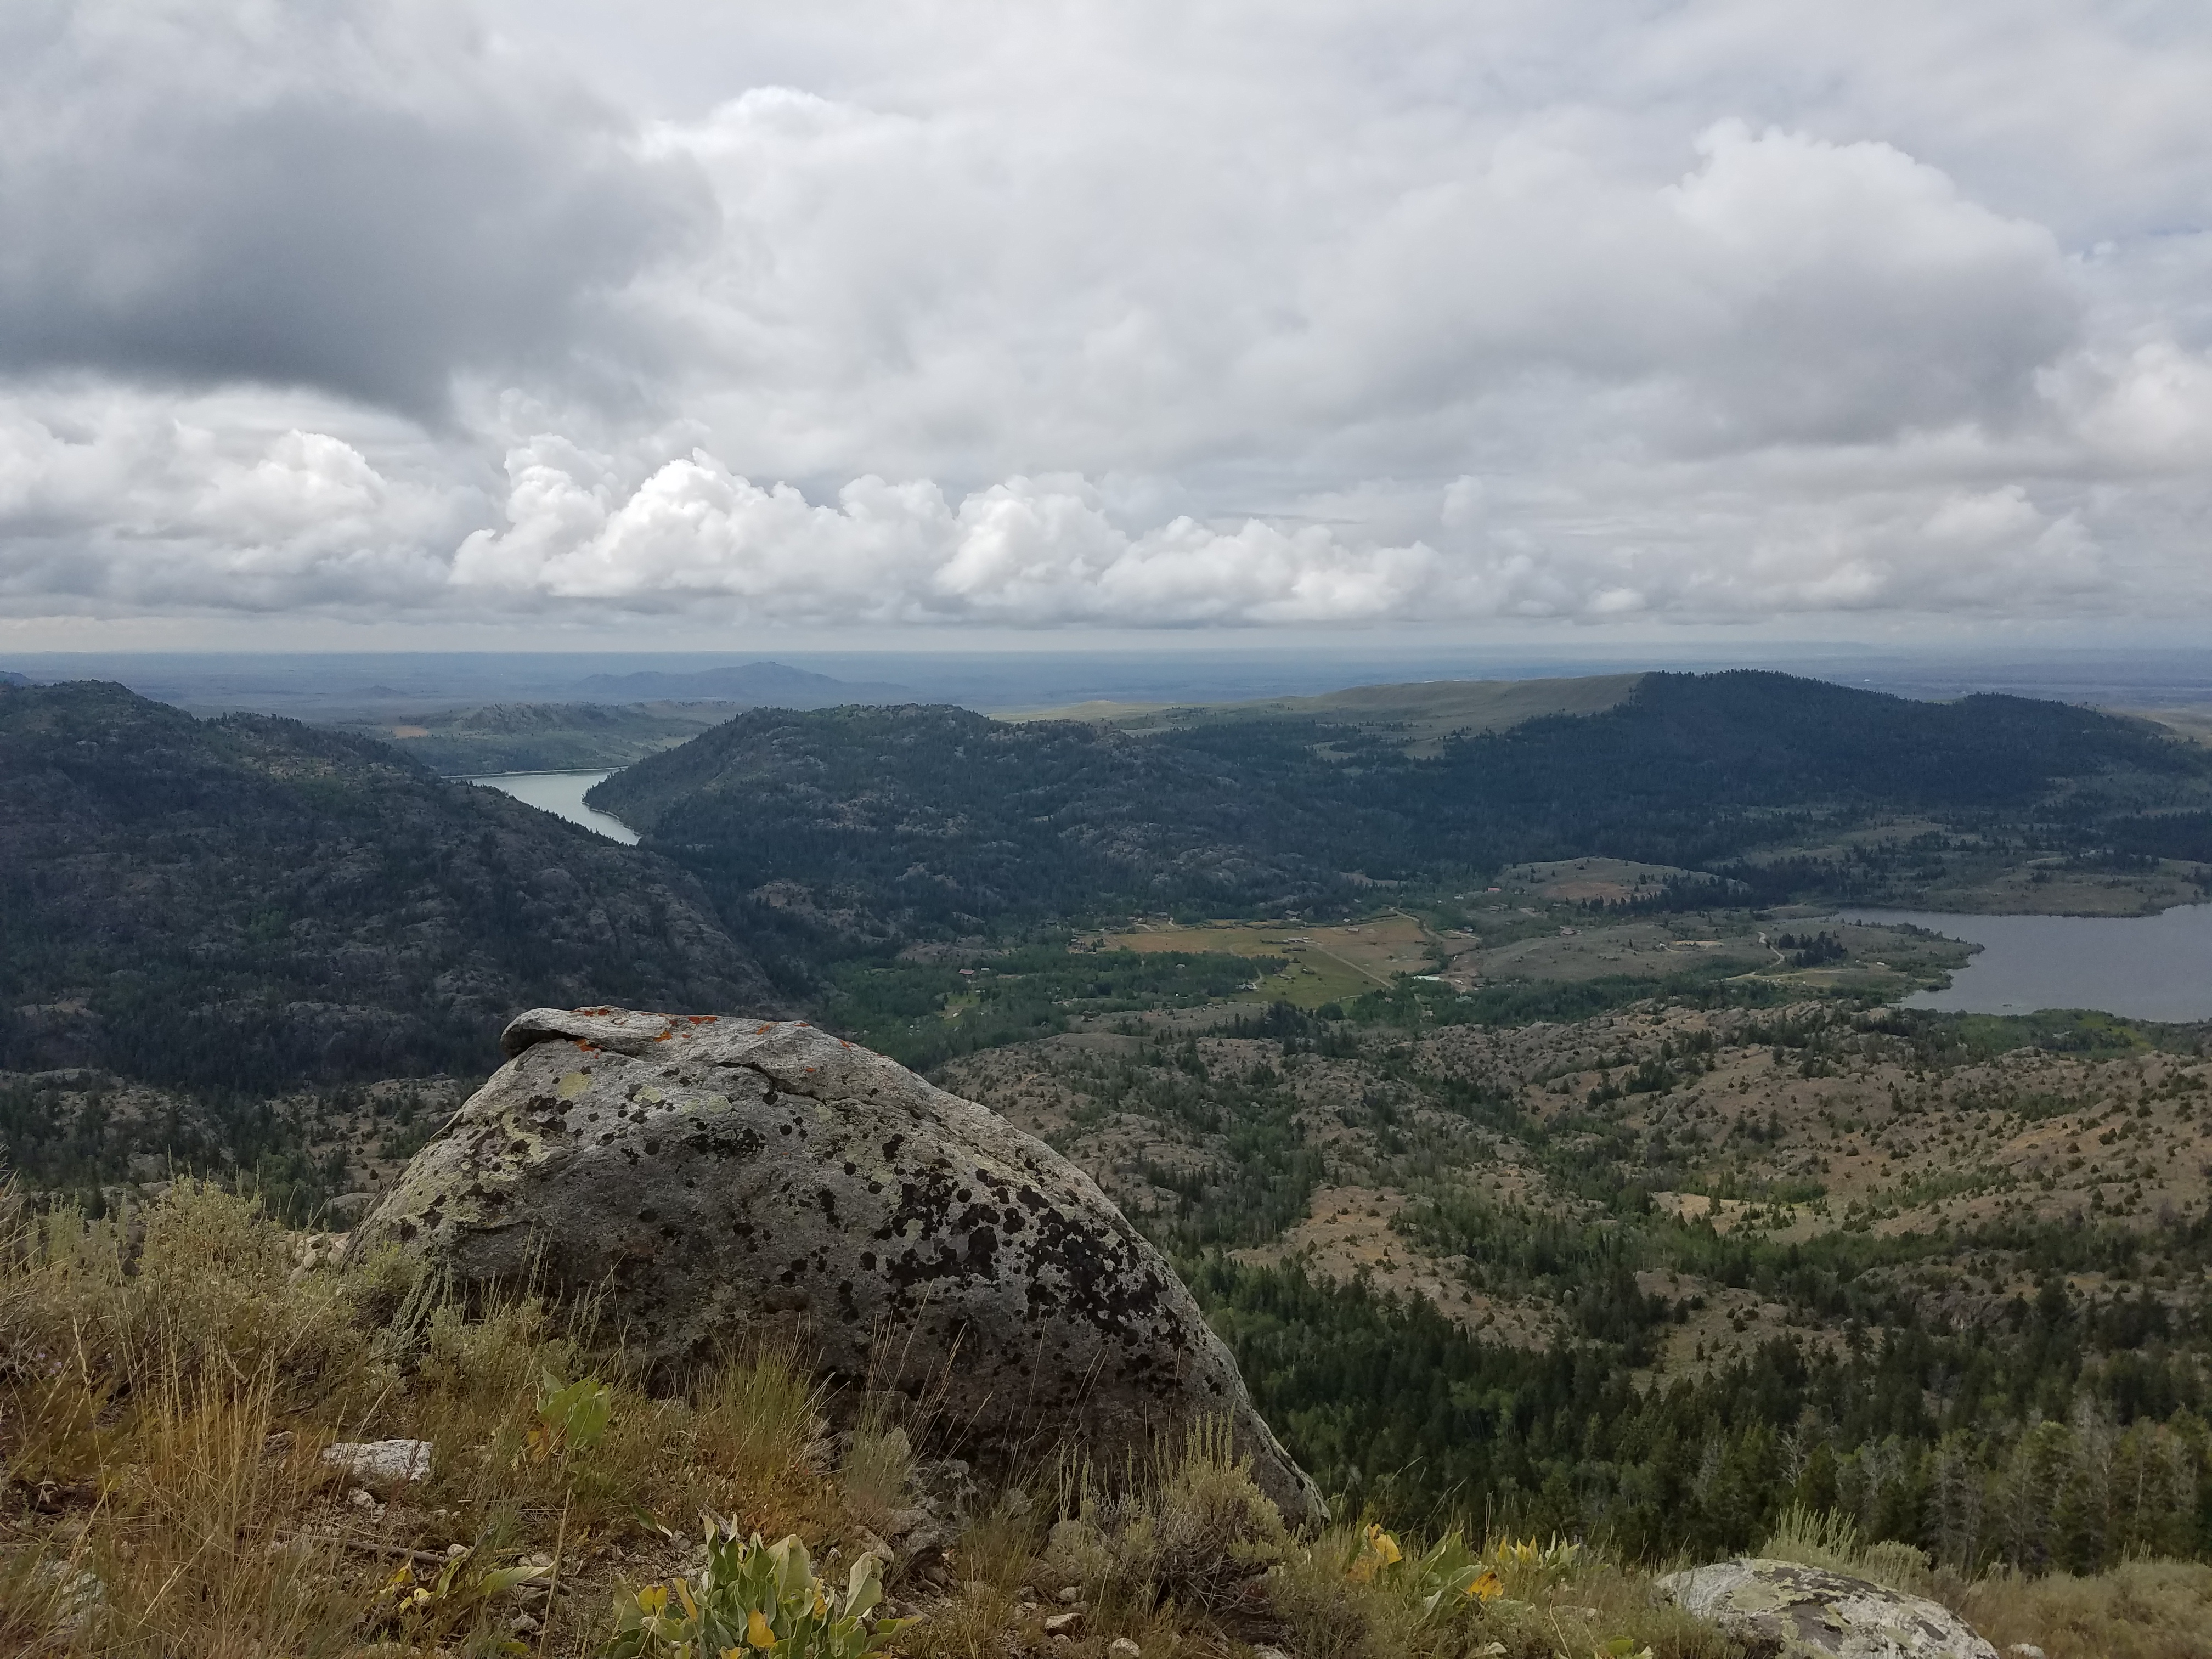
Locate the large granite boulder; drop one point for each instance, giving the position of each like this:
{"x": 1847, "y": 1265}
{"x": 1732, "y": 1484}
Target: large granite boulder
{"x": 1780, "y": 1610}
{"x": 721, "y": 1180}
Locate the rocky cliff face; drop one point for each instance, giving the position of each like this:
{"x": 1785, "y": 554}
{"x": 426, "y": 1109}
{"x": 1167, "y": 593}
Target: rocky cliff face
{"x": 724, "y": 1180}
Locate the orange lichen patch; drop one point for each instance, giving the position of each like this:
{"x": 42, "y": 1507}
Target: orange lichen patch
{"x": 763, "y": 1030}
{"x": 664, "y": 1036}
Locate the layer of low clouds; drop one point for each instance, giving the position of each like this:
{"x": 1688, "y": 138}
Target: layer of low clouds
{"x": 1123, "y": 316}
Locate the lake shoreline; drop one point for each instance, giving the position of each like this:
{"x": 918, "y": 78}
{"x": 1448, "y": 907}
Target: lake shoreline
{"x": 2155, "y": 967}
{"x": 562, "y": 795}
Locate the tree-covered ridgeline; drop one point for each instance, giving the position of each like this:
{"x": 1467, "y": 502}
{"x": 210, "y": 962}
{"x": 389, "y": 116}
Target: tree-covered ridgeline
{"x": 861, "y": 826}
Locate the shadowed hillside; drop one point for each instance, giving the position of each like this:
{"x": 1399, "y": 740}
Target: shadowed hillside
{"x": 250, "y": 902}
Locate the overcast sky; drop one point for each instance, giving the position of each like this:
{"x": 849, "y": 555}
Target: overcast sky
{"x": 326, "y": 320}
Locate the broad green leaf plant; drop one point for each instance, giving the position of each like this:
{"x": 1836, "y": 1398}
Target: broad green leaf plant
{"x": 1448, "y": 1578}
{"x": 571, "y": 1416}
{"x": 754, "y": 1600}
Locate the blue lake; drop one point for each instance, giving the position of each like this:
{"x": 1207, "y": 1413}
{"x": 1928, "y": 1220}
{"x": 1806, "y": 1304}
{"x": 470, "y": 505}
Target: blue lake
{"x": 562, "y": 793}
{"x": 2143, "y": 967}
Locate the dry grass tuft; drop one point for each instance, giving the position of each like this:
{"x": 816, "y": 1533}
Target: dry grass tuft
{"x": 2139, "y": 1610}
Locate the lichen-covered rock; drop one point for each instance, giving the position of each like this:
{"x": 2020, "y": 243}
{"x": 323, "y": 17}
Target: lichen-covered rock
{"x": 1780, "y": 1610}
{"x": 380, "y": 1463}
{"x": 720, "y": 1180}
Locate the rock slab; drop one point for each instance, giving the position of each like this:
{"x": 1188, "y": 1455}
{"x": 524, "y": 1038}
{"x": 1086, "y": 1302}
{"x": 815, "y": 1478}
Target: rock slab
{"x": 1781, "y": 1610}
{"x": 380, "y": 1463}
{"x": 719, "y": 1181}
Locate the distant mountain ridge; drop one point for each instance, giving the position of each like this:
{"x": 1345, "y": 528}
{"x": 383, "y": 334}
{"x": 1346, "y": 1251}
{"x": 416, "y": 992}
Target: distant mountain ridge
{"x": 759, "y": 684}
{"x": 540, "y": 737}
{"x": 936, "y": 817}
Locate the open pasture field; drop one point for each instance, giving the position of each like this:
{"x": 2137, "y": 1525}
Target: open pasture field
{"x": 1326, "y": 964}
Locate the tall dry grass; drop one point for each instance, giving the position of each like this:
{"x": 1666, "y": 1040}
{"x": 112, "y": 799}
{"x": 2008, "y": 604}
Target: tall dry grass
{"x": 2148, "y": 1609}
{"x": 170, "y": 1380}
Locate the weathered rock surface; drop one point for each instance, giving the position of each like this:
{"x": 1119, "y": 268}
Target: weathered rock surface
{"x": 380, "y": 1463}
{"x": 722, "y": 1180}
{"x": 1780, "y": 1610}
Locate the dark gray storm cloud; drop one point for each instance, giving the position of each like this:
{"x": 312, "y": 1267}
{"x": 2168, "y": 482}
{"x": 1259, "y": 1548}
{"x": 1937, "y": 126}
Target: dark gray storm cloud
{"x": 352, "y": 196}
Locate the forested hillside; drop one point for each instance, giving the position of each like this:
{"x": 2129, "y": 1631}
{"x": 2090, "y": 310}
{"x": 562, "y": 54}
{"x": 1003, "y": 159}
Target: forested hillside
{"x": 878, "y": 824}
{"x": 1655, "y": 1276}
{"x": 251, "y": 903}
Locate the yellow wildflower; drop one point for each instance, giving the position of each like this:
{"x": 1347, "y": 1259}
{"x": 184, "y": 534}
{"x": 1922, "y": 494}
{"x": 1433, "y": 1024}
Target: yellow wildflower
{"x": 757, "y": 1631}
{"x": 1488, "y": 1587}
{"x": 1385, "y": 1545}
{"x": 652, "y": 1600}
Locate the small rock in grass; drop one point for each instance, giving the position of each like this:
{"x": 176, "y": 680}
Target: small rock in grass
{"x": 1071, "y": 1595}
{"x": 361, "y": 1499}
{"x": 2025, "y": 1650}
{"x": 79, "y": 1599}
{"x": 1269, "y": 1653}
{"x": 1063, "y": 1624}
{"x": 381, "y": 1462}
{"x": 1121, "y": 1647}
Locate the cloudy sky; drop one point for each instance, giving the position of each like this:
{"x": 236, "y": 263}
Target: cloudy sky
{"x": 694, "y": 320}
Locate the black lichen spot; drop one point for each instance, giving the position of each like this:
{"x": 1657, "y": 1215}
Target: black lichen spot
{"x": 983, "y": 1252}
